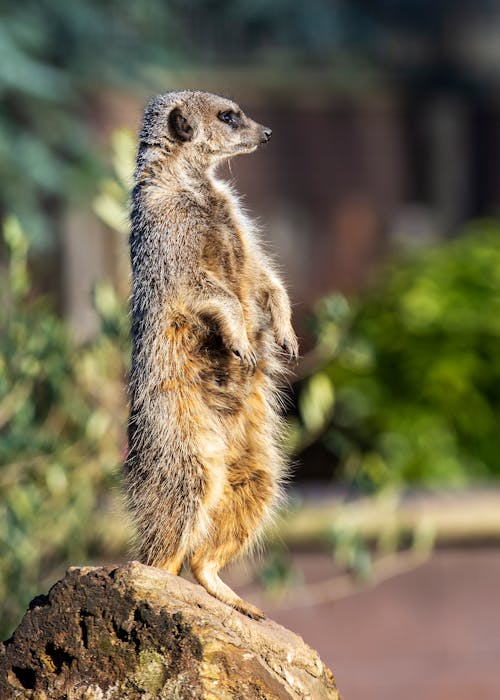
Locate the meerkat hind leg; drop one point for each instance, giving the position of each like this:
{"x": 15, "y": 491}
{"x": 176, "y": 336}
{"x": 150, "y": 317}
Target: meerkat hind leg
{"x": 239, "y": 515}
{"x": 207, "y": 574}
{"x": 173, "y": 564}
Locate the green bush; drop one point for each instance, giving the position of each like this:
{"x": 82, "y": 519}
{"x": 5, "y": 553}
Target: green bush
{"x": 407, "y": 386}
{"x": 61, "y": 436}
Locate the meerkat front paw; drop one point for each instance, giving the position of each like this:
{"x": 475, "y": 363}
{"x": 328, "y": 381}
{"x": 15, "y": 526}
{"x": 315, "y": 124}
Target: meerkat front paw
{"x": 288, "y": 341}
{"x": 245, "y": 354}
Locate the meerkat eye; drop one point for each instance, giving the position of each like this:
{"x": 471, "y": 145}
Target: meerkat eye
{"x": 229, "y": 117}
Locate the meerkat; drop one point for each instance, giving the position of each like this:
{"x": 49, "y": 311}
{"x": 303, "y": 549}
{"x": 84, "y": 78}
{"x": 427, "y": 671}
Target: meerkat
{"x": 211, "y": 335}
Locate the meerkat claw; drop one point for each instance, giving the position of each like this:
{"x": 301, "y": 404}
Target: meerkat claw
{"x": 249, "y": 359}
{"x": 291, "y": 350}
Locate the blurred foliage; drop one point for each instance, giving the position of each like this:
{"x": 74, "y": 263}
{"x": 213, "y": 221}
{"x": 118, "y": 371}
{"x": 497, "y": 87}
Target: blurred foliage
{"x": 352, "y": 552}
{"x": 55, "y": 57}
{"x": 407, "y": 384}
{"x": 61, "y": 435}
{"x": 111, "y": 202}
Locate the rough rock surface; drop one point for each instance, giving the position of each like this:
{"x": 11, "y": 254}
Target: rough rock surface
{"x": 132, "y": 631}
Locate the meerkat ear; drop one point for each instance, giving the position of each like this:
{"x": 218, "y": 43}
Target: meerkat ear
{"x": 179, "y": 125}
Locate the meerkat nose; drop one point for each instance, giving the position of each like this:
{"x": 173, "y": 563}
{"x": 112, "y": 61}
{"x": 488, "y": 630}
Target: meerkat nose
{"x": 266, "y": 135}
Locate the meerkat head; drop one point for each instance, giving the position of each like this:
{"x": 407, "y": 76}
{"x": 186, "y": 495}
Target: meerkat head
{"x": 203, "y": 127}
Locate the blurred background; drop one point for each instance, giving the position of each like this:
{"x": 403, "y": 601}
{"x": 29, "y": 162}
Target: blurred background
{"x": 380, "y": 196}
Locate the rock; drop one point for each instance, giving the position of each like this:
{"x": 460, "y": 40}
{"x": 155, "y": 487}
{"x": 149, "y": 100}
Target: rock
{"x": 133, "y": 631}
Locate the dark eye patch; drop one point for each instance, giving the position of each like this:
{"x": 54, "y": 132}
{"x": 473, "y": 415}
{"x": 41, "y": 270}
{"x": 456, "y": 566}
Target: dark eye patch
{"x": 230, "y": 117}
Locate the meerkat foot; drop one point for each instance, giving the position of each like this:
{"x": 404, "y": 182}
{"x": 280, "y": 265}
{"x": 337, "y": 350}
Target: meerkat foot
{"x": 248, "y": 609}
{"x": 207, "y": 576}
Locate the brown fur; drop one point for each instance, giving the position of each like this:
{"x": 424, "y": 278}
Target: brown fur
{"x": 211, "y": 329}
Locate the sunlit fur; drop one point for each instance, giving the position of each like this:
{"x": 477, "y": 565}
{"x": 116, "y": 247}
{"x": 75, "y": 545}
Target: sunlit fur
{"x": 204, "y": 467}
